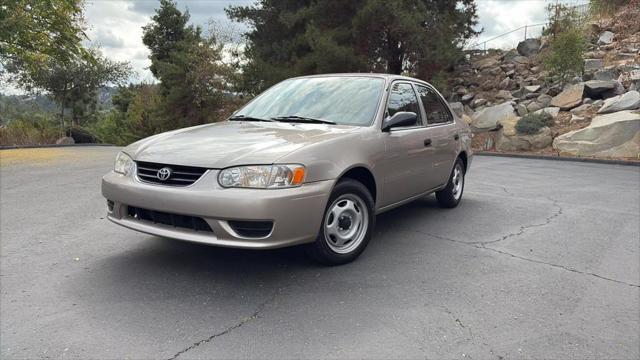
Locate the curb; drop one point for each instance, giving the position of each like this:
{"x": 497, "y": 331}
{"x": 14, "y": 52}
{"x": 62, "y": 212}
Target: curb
{"x": 560, "y": 158}
{"x": 10, "y": 147}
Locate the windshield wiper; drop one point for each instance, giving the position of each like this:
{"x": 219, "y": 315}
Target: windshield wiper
{"x": 301, "y": 119}
{"x": 248, "y": 118}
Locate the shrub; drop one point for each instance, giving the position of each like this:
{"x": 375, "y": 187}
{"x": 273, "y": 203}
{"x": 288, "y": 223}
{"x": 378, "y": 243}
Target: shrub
{"x": 606, "y": 7}
{"x": 560, "y": 17}
{"x": 32, "y": 129}
{"x": 564, "y": 58}
{"x": 532, "y": 123}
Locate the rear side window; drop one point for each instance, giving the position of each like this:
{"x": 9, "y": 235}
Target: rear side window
{"x": 434, "y": 108}
{"x": 403, "y": 98}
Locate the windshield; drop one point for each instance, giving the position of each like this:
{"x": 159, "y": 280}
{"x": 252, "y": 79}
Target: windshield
{"x": 343, "y": 100}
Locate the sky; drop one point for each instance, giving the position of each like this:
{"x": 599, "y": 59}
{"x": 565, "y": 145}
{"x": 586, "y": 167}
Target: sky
{"x": 116, "y": 25}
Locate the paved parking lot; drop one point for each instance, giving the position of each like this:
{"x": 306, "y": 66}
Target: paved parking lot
{"x": 540, "y": 260}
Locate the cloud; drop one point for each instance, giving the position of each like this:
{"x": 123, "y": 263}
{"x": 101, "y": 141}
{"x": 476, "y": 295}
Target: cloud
{"x": 106, "y": 38}
{"x": 498, "y": 17}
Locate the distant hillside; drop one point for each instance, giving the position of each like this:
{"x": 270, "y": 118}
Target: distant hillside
{"x": 13, "y": 106}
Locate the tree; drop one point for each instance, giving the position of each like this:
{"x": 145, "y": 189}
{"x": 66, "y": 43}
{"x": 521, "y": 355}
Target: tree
{"x": 74, "y": 83}
{"x": 287, "y": 37}
{"x": 564, "y": 57}
{"x": 188, "y": 65}
{"x": 33, "y": 33}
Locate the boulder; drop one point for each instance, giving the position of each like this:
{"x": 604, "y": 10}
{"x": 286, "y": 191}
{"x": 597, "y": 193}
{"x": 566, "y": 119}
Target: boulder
{"x": 628, "y": 101}
{"x": 604, "y": 75}
{"x": 606, "y": 38}
{"x": 490, "y": 118}
{"x": 615, "y": 135}
{"x": 544, "y": 99}
{"x": 581, "y": 109}
{"x": 521, "y": 110}
{"x": 486, "y": 63}
{"x": 534, "y": 106}
{"x": 510, "y": 140}
{"x": 569, "y": 98}
{"x": 618, "y": 89}
{"x": 594, "y": 88}
{"x": 66, "y": 140}
{"x": 593, "y": 64}
{"x": 468, "y": 97}
{"x": 551, "y": 111}
{"x": 466, "y": 118}
{"x": 532, "y": 88}
{"x": 521, "y": 60}
{"x": 529, "y": 47}
{"x": 457, "y": 108}
{"x": 504, "y": 94}
{"x": 478, "y": 102}
{"x": 576, "y": 119}
{"x": 505, "y": 84}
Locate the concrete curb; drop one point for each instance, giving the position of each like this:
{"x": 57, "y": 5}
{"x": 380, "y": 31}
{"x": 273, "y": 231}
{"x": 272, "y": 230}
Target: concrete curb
{"x": 10, "y": 147}
{"x": 560, "y": 158}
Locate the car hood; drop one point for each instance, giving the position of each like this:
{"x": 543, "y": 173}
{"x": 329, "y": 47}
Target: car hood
{"x": 232, "y": 143}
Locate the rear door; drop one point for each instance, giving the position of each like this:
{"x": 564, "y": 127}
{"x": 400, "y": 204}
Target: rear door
{"x": 442, "y": 132}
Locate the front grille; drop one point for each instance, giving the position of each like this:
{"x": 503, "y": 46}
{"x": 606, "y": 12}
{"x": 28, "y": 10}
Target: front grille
{"x": 175, "y": 220}
{"x": 179, "y": 175}
{"x": 255, "y": 229}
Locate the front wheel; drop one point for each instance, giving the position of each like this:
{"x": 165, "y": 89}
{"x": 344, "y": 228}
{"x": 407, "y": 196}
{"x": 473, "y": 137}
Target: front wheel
{"x": 347, "y": 224}
{"x": 450, "y": 196}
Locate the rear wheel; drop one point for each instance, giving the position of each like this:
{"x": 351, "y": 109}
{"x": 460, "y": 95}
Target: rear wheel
{"x": 450, "y": 196}
{"x": 347, "y": 224}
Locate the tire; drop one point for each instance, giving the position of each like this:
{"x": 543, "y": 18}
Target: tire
{"x": 450, "y": 196}
{"x": 347, "y": 224}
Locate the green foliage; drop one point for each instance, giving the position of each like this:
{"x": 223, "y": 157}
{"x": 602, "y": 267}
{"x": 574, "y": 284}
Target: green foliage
{"x": 564, "y": 57}
{"x": 532, "y": 123}
{"x": 74, "y": 84}
{"x": 136, "y": 114}
{"x": 33, "y": 33}
{"x": 561, "y": 17}
{"x": 193, "y": 78}
{"x": 30, "y": 129}
{"x": 291, "y": 38}
{"x": 440, "y": 81}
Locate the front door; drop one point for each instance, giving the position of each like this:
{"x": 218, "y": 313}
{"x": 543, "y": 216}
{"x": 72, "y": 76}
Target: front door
{"x": 407, "y": 149}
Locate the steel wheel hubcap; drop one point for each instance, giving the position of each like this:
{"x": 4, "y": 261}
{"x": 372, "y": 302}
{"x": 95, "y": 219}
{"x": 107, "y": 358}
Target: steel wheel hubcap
{"x": 458, "y": 182}
{"x": 346, "y": 223}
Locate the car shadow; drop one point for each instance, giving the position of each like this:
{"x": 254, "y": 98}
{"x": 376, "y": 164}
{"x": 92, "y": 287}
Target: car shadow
{"x": 176, "y": 268}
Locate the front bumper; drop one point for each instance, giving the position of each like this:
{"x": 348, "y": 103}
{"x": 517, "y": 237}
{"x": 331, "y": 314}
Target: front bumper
{"x": 296, "y": 213}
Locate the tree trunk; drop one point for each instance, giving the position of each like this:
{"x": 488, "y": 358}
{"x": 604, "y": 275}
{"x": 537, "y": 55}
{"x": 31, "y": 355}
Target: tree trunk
{"x": 395, "y": 55}
{"x": 64, "y": 95}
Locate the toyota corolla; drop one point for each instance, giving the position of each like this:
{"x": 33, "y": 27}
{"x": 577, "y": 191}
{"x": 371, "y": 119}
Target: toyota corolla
{"x": 311, "y": 161}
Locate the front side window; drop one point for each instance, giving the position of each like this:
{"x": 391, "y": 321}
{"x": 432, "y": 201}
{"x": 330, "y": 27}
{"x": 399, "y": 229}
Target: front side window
{"x": 435, "y": 110}
{"x": 344, "y": 100}
{"x": 403, "y": 98}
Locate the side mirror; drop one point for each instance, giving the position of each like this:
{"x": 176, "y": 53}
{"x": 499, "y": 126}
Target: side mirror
{"x": 401, "y": 118}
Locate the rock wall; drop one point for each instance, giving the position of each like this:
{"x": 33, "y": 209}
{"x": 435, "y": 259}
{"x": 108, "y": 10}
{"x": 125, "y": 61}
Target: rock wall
{"x": 493, "y": 90}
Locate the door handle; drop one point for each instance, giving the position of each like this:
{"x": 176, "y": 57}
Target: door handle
{"x": 427, "y": 142}
{"x": 456, "y": 137}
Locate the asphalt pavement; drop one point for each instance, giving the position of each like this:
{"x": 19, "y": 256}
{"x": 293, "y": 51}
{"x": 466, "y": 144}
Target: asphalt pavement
{"x": 540, "y": 260}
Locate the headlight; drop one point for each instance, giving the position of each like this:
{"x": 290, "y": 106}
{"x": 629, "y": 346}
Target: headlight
{"x": 262, "y": 176}
{"x": 124, "y": 164}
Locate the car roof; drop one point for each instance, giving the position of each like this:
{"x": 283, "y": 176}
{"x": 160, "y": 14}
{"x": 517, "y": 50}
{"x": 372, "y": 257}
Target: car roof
{"x": 388, "y": 77}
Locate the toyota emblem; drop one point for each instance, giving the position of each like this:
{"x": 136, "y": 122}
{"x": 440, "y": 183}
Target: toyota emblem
{"x": 164, "y": 173}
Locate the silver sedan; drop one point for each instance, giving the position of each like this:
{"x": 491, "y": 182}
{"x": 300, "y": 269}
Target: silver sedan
{"x": 311, "y": 161}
